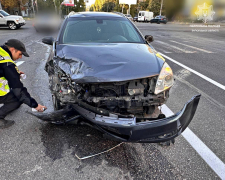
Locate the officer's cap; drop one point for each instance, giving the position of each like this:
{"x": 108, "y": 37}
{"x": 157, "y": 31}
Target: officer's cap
{"x": 17, "y": 45}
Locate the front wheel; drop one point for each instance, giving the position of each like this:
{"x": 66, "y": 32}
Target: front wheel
{"x": 12, "y": 25}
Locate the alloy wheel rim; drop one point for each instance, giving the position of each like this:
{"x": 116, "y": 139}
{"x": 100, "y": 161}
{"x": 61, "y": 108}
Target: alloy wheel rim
{"x": 12, "y": 26}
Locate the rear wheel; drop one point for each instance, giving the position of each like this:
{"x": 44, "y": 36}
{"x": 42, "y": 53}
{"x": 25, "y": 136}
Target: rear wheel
{"x": 12, "y": 25}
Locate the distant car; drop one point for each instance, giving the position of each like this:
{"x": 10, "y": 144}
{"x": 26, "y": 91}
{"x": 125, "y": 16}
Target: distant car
{"x": 135, "y": 19}
{"x": 129, "y": 17}
{"x": 47, "y": 23}
{"x": 12, "y": 21}
{"x": 159, "y": 19}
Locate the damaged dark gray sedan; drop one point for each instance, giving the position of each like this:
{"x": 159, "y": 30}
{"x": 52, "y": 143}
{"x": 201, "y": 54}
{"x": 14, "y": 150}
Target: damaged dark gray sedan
{"x": 104, "y": 73}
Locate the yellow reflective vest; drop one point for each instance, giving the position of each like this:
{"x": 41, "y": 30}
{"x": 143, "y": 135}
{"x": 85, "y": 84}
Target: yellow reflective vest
{"x": 4, "y": 86}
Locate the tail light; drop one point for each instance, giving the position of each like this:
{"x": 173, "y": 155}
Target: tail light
{"x": 162, "y": 19}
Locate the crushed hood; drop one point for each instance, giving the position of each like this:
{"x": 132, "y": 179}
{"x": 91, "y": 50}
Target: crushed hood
{"x": 108, "y": 62}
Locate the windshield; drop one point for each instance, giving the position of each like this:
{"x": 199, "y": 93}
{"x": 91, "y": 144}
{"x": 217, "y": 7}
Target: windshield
{"x": 4, "y": 13}
{"x": 99, "y": 31}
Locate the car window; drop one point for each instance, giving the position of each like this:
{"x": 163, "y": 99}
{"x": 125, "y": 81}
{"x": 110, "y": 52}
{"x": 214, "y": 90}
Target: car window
{"x": 4, "y": 13}
{"x": 99, "y": 31}
{"x": 141, "y": 14}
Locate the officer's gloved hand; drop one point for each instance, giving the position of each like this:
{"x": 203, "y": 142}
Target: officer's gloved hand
{"x": 40, "y": 108}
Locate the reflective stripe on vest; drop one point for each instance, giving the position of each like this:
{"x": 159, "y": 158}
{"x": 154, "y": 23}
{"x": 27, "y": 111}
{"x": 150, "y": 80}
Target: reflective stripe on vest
{"x": 4, "y": 86}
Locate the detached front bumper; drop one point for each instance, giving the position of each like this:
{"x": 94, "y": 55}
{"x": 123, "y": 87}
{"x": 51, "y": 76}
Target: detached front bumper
{"x": 152, "y": 131}
{"x": 128, "y": 130}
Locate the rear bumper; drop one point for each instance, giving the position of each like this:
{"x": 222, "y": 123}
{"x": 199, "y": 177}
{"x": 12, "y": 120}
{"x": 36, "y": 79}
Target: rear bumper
{"x": 152, "y": 131}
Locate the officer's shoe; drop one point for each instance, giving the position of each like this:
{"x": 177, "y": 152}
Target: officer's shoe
{"x": 5, "y": 123}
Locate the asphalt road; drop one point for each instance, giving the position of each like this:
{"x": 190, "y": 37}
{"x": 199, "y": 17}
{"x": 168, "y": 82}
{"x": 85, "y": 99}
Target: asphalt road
{"x": 32, "y": 149}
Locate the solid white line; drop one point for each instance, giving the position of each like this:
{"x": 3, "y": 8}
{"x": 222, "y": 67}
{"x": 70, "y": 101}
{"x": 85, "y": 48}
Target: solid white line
{"x": 207, "y": 155}
{"x": 19, "y": 63}
{"x": 169, "y": 45}
{"x": 192, "y": 47}
{"x": 195, "y": 72}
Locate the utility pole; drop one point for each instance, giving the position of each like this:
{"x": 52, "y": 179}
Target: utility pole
{"x": 161, "y": 7}
{"x": 33, "y": 6}
{"x": 55, "y": 6}
{"x": 36, "y": 5}
{"x": 0, "y": 5}
{"x": 122, "y": 8}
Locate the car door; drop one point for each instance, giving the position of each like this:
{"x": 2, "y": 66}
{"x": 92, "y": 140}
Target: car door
{"x": 2, "y": 19}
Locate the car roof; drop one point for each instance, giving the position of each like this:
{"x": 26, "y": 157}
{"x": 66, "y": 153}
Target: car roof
{"x": 95, "y": 14}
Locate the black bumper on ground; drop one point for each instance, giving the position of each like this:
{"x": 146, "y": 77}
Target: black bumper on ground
{"x": 128, "y": 129}
{"x": 152, "y": 131}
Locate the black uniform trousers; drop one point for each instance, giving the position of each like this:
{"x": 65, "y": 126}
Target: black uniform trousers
{"x": 10, "y": 102}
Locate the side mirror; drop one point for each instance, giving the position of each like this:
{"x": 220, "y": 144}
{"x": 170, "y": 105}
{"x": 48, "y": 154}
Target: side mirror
{"x": 48, "y": 40}
{"x": 149, "y": 38}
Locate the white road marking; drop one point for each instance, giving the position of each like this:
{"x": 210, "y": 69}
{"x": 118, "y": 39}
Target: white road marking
{"x": 36, "y": 168}
{"x": 175, "y": 47}
{"x": 195, "y": 72}
{"x": 207, "y": 155}
{"x": 19, "y": 63}
{"x": 203, "y": 50}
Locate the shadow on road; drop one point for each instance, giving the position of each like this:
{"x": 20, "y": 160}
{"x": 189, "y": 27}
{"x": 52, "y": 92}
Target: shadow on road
{"x": 142, "y": 161}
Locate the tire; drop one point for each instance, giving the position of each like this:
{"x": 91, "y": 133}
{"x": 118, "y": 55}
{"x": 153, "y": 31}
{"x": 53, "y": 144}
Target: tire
{"x": 12, "y": 25}
{"x": 56, "y": 102}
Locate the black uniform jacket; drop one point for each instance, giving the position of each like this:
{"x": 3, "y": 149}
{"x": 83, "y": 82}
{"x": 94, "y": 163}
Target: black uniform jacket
{"x": 8, "y": 70}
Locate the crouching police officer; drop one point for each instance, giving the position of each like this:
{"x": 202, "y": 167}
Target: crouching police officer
{"x": 12, "y": 91}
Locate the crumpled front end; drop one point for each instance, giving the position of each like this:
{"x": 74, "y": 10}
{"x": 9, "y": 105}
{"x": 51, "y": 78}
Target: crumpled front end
{"x": 124, "y": 108}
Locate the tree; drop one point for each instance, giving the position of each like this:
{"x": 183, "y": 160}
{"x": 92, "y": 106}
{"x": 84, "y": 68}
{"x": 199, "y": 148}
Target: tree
{"x": 47, "y": 5}
{"x": 57, "y": 4}
{"x": 154, "y": 6}
{"x": 92, "y": 8}
{"x": 173, "y": 7}
{"x": 9, "y": 4}
{"x": 98, "y": 5}
{"x": 108, "y": 6}
{"x": 143, "y": 5}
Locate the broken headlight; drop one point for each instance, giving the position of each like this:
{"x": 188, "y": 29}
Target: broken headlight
{"x": 165, "y": 79}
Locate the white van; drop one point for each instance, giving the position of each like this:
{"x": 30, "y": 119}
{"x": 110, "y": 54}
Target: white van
{"x": 145, "y": 16}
